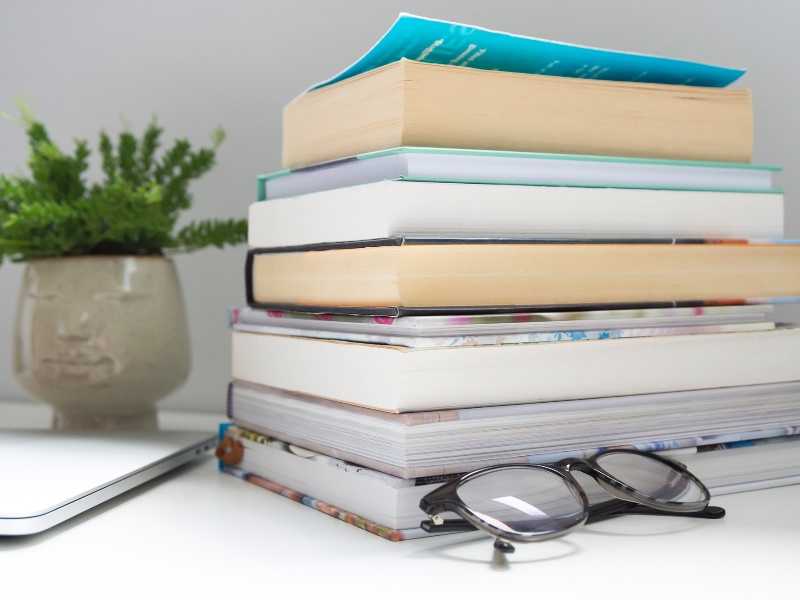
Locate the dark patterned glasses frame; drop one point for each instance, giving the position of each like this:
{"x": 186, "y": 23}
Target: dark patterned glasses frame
{"x": 665, "y": 500}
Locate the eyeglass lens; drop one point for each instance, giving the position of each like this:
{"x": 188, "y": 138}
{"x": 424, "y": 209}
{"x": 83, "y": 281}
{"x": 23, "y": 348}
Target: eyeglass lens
{"x": 523, "y": 500}
{"x": 651, "y": 477}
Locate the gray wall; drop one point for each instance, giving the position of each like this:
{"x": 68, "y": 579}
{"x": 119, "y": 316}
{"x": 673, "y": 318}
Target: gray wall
{"x": 88, "y": 65}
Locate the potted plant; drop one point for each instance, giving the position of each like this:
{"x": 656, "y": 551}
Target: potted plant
{"x": 101, "y": 331}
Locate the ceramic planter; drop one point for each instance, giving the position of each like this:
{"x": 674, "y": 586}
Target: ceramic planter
{"x": 101, "y": 338}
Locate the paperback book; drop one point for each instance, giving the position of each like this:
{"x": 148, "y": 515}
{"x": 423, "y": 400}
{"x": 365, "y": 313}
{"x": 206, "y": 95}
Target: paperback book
{"x": 388, "y": 506}
{"x": 411, "y": 103}
{"x": 443, "y": 84}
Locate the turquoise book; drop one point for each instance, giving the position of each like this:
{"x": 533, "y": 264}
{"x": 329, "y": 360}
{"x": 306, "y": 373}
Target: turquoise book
{"x": 444, "y": 84}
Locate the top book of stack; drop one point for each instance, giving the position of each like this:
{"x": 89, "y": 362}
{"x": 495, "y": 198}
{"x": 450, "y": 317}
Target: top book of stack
{"x": 439, "y": 84}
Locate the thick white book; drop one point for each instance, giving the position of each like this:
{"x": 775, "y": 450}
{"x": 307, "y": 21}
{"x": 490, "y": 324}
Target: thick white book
{"x": 425, "y": 209}
{"x": 428, "y": 443}
{"x": 401, "y": 379}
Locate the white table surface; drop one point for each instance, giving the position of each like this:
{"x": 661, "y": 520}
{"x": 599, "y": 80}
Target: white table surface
{"x": 198, "y": 533}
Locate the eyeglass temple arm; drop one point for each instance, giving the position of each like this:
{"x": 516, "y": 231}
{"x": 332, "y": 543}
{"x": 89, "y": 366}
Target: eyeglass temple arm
{"x": 447, "y": 526}
{"x": 612, "y": 508}
{"x": 598, "y": 512}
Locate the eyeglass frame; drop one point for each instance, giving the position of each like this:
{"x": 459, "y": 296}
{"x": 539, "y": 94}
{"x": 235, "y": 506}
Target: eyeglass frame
{"x": 445, "y": 497}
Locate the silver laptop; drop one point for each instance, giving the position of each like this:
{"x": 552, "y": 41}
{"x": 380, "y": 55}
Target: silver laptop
{"x": 47, "y": 477}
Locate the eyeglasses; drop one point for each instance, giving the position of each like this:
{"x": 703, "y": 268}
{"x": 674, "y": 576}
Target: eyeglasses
{"x": 531, "y": 503}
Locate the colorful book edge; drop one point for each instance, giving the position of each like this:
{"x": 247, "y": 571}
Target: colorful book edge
{"x": 393, "y": 535}
{"x": 254, "y": 316}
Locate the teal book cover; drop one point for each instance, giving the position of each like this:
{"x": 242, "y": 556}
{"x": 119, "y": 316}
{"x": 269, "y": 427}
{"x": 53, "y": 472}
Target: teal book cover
{"x": 444, "y": 42}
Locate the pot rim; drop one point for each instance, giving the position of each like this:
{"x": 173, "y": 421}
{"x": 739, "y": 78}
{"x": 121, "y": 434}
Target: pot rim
{"x": 98, "y": 257}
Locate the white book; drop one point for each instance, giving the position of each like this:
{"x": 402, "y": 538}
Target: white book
{"x": 521, "y": 168}
{"x": 430, "y": 443}
{"x": 400, "y": 379}
{"x": 465, "y": 210}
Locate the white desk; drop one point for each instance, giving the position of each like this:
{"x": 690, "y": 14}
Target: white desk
{"x": 198, "y": 533}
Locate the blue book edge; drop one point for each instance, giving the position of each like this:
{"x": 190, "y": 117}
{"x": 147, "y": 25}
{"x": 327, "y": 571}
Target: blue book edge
{"x": 223, "y": 427}
{"x": 444, "y": 42}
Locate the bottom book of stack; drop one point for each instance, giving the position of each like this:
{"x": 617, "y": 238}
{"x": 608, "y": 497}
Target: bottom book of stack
{"x": 388, "y": 506}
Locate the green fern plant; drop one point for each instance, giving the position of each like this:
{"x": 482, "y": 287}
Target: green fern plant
{"x": 133, "y": 210}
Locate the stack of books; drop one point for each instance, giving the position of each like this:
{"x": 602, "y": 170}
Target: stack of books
{"x": 491, "y": 249}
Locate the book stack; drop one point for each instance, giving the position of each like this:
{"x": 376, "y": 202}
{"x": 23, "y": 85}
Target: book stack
{"x": 490, "y": 249}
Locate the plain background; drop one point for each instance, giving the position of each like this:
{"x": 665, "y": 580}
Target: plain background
{"x": 88, "y": 65}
